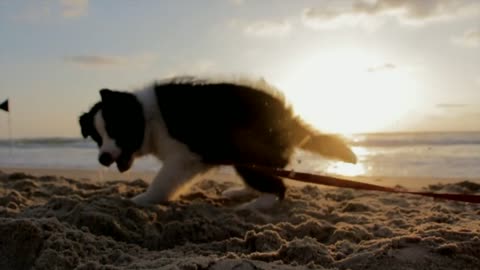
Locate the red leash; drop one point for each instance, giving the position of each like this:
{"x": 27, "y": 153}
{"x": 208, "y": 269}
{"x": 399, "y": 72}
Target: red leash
{"x": 338, "y": 182}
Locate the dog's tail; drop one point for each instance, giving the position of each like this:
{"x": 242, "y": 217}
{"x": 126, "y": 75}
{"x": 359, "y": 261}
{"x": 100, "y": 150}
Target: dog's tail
{"x": 328, "y": 145}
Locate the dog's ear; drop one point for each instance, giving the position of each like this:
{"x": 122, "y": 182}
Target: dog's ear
{"x": 86, "y": 123}
{"x": 105, "y": 93}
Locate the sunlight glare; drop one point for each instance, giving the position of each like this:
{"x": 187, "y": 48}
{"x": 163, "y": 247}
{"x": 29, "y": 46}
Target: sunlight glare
{"x": 350, "y": 91}
{"x": 347, "y": 169}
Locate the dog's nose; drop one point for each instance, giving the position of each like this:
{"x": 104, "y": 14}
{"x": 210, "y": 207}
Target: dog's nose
{"x": 105, "y": 159}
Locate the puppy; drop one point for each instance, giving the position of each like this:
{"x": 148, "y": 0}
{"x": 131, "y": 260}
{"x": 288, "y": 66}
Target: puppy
{"x": 193, "y": 125}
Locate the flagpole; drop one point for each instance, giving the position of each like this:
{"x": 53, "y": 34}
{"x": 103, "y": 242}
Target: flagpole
{"x": 6, "y": 107}
{"x": 10, "y": 132}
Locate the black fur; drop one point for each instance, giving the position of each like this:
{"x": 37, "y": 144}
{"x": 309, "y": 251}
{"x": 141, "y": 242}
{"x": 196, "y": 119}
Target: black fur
{"x": 124, "y": 119}
{"x": 86, "y": 124}
{"x": 228, "y": 123}
{"x": 262, "y": 182}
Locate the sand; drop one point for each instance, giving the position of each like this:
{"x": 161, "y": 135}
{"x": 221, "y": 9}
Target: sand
{"x": 57, "y": 222}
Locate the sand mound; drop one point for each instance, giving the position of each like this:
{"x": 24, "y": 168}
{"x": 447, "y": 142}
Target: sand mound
{"x": 466, "y": 187}
{"x": 58, "y": 223}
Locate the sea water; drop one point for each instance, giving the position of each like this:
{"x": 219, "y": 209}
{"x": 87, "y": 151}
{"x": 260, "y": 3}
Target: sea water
{"x": 427, "y": 155}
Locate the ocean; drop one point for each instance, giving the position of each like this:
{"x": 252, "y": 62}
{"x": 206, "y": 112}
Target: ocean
{"x": 423, "y": 155}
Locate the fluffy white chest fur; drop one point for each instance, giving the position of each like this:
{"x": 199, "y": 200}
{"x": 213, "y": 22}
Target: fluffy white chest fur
{"x": 179, "y": 164}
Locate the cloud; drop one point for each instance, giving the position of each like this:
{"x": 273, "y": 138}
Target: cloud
{"x": 470, "y": 38}
{"x": 268, "y": 28}
{"x": 94, "y": 60}
{"x": 41, "y": 10}
{"x": 384, "y": 67}
{"x": 452, "y": 105}
{"x": 106, "y": 61}
{"x": 331, "y": 18}
{"x": 197, "y": 67}
{"x": 414, "y": 10}
{"x": 73, "y": 8}
{"x": 237, "y": 2}
{"x": 368, "y": 12}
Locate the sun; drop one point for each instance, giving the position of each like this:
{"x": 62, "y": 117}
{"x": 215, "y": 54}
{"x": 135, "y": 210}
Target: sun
{"x": 350, "y": 91}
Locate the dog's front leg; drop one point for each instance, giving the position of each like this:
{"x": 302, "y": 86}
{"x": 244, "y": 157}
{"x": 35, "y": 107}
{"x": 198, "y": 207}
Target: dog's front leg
{"x": 174, "y": 173}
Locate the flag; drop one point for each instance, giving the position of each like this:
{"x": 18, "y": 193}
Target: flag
{"x": 4, "y": 106}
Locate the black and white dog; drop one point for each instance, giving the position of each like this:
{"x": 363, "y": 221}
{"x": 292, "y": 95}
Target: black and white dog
{"x": 193, "y": 125}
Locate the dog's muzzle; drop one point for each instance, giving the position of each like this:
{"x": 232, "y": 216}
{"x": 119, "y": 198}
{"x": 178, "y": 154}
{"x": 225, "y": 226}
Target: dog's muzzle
{"x": 124, "y": 162}
{"x": 105, "y": 159}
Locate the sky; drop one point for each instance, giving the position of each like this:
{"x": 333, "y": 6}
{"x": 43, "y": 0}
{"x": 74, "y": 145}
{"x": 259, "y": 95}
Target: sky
{"x": 346, "y": 66}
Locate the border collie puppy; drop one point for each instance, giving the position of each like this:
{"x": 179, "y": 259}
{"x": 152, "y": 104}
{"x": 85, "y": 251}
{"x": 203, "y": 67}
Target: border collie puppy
{"x": 193, "y": 125}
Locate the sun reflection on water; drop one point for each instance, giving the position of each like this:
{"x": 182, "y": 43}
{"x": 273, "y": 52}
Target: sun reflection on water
{"x": 347, "y": 169}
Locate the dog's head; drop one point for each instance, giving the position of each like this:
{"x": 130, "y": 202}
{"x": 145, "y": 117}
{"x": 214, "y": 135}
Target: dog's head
{"x": 117, "y": 125}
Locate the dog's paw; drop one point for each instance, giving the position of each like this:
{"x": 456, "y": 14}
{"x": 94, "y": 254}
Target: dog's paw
{"x": 149, "y": 198}
{"x": 264, "y": 202}
{"x": 142, "y": 199}
{"x": 237, "y": 192}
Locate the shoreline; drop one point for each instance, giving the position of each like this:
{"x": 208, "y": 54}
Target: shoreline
{"x": 95, "y": 175}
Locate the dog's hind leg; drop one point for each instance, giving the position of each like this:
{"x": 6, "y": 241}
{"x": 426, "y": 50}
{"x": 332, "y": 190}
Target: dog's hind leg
{"x": 262, "y": 182}
{"x": 273, "y": 187}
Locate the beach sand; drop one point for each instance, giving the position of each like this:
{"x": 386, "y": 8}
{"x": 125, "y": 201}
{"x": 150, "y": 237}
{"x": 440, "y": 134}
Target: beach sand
{"x": 67, "y": 219}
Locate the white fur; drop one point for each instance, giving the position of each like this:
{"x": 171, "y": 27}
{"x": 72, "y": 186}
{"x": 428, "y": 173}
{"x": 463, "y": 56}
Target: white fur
{"x": 264, "y": 202}
{"x": 238, "y": 192}
{"x": 108, "y": 144}
{"x": 180, "y": 165}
